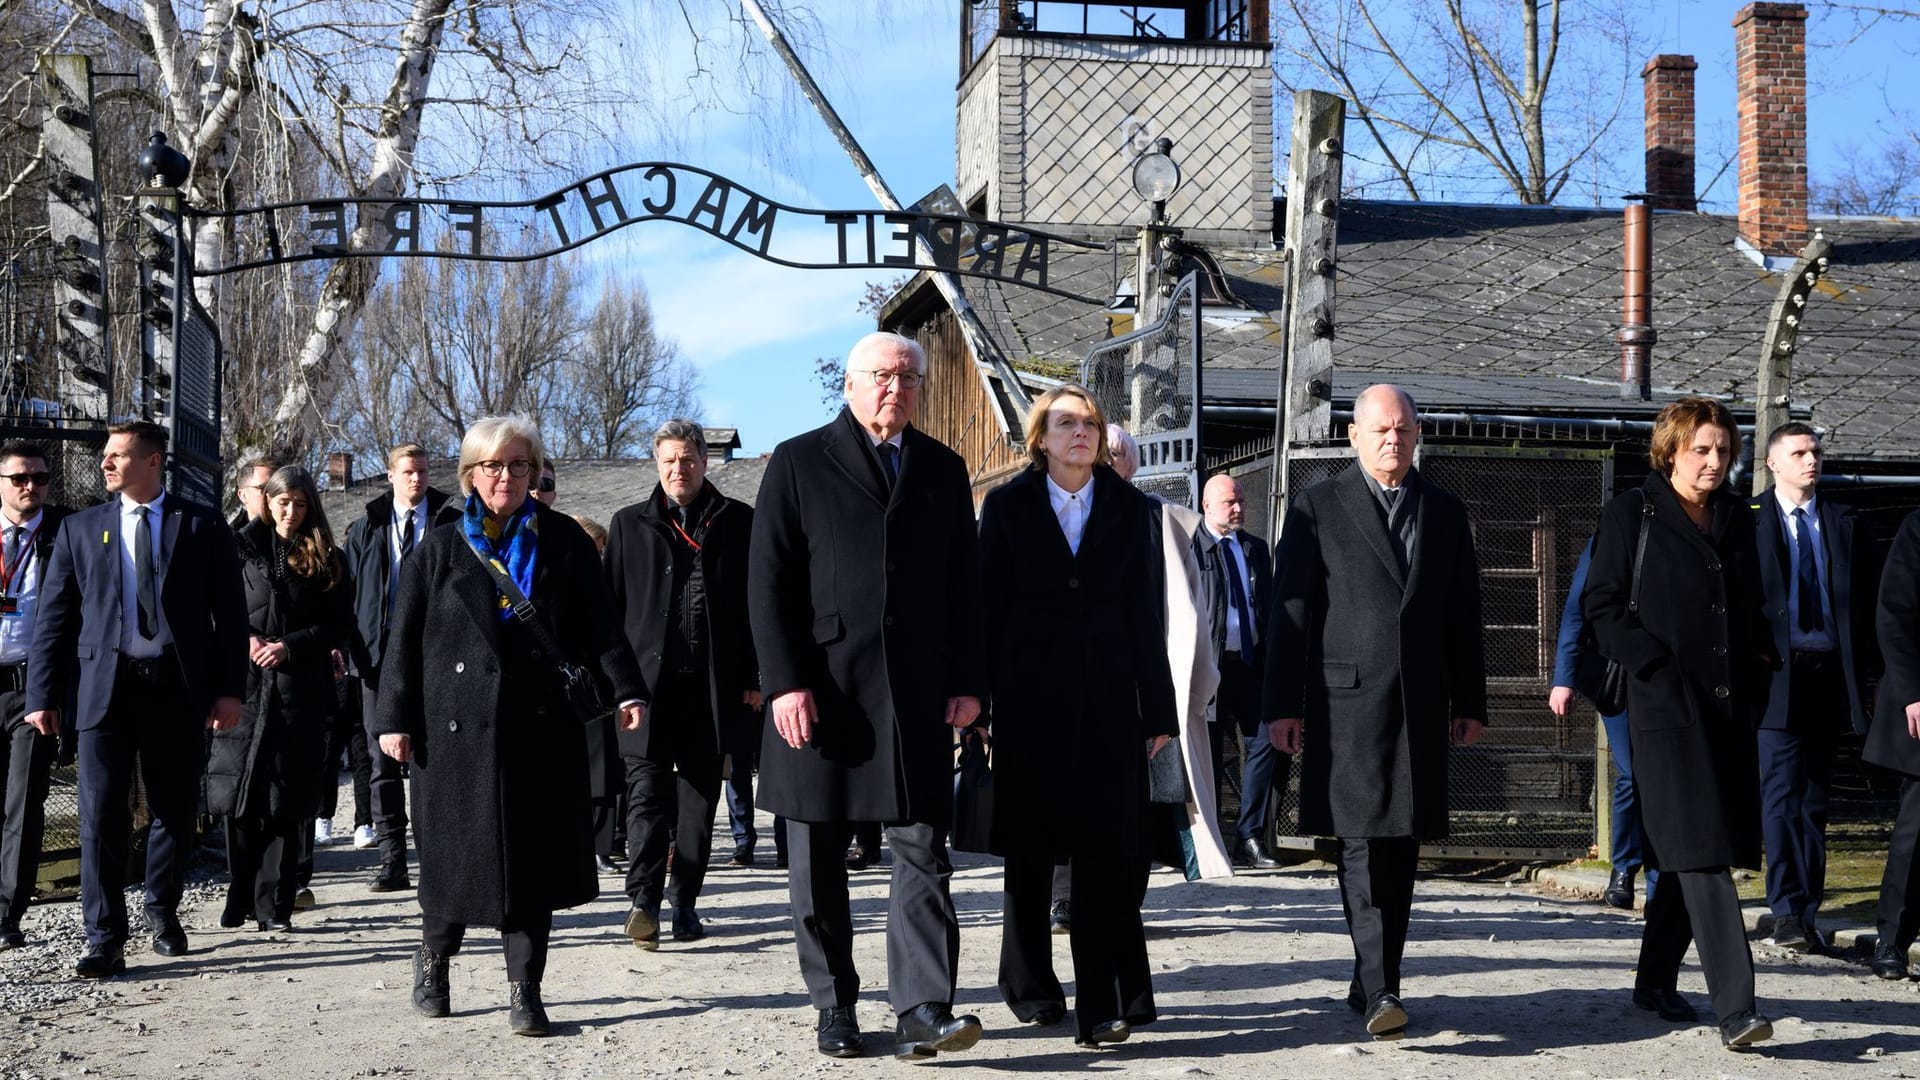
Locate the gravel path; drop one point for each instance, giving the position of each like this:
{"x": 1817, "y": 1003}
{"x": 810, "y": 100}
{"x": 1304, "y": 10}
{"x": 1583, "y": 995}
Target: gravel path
{"x": 1502, "y": 981}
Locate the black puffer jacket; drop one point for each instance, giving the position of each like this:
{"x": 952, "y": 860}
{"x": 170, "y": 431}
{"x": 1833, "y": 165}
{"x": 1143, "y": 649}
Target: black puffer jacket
{"x": 270, "y": 765}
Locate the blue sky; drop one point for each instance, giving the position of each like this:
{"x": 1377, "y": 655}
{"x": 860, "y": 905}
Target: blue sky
{"x": 754, "y": 329}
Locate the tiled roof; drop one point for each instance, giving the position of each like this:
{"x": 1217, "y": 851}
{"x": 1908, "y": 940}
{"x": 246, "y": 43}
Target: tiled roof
{"x": 1516, "y": 307}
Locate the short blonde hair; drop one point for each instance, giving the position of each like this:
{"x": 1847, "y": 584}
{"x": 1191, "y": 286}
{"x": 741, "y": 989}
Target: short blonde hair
{"x": 402, "y": 452}
{"x": 1674, "y": 428}
{"x": 489, "y": 436}
{"x": 1037, "y": 424}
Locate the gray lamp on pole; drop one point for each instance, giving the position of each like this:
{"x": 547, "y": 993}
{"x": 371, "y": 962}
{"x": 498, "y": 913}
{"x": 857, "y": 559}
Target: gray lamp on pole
{"x": 1156, "y": 177}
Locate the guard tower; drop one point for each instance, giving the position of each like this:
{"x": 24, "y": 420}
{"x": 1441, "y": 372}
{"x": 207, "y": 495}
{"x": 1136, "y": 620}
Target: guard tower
{"x": 1057, "y": 99}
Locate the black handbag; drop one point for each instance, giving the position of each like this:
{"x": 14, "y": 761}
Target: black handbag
{"x": 973, "y": 793}
{"x": 1613, "y": 682}
{"x": 585, "y": 695}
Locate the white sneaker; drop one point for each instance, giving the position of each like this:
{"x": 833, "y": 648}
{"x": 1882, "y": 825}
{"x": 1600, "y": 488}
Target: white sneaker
{"x": 323, "y": 831}
{"x": 363, "y": 838}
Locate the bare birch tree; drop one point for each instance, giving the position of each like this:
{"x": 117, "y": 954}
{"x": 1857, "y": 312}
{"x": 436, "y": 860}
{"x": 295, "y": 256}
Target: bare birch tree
{"x": 1517, "y": 97}
{"x": 624, "y": 379}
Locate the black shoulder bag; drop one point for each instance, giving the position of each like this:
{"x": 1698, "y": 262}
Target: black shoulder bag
{"x": 585, "y": 695}
{"x": 1613, "y": 683}
{"x": 973, "y": 792}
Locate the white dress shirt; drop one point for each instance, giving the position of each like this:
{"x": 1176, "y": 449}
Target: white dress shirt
{"x": 1071, "y": 508}
{"x": 1820, "y": 640}
{"x": 16, "y": 631}
{"x": 1231, "y": 542}
{"x": 133, "y": 644}
{"x": 414, "y": 519}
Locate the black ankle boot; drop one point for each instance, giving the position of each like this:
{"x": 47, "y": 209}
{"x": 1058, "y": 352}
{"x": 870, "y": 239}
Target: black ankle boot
{"x": 431, "y": 993}
{"x": 525, "y": 1014}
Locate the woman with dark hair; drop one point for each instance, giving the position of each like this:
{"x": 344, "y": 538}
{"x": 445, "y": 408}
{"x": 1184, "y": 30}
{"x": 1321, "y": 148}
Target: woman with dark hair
{"x": 264, "y": 775}
{"x": 473, "y": 696}
{"x": 1081, "y": 698}
{"x": 1694, "y": 645}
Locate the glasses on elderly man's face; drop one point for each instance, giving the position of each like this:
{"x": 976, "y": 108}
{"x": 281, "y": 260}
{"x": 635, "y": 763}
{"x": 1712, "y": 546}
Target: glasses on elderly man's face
{"x": 22, "y": 479}
{"x": 516, "y": 469}
{"x": 908, "y": 380}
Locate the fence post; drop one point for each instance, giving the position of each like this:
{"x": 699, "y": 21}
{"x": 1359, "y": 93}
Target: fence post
{"x": 79, "y": 249}
{"x": 1305, "y": 398}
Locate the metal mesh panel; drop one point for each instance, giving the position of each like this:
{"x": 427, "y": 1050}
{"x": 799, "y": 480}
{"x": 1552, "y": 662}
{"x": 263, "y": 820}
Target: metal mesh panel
{"x": 1148, "y": 382}
{"x": 1527, "y": 786}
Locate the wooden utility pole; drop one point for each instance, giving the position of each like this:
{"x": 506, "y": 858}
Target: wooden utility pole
{"x": 971, "y": 326}
{"x": 1774, "y": 395}
{"x": 1305, "y": 415}
{"x": 84, "y": 347}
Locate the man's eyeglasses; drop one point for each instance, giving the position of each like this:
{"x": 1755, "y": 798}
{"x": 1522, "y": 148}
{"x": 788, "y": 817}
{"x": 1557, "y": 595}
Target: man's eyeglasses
{"x": 546, "y": 485}
{"x": 908, "y": 380}
{"x": 515, "y": 469}
{"x": 22, "y": 479}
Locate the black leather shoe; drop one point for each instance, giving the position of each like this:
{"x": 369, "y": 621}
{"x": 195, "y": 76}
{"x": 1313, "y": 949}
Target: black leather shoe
{"x": 927, "y": 1029}
{"x": 858, "y": 857}
{"x": 11, "y": 938}
{"x": 687, "y": 925}
{"x": 1251, "y": 852}
{"x": 1745, "y": 1029}
{"x": 840, "y": 1033}
{"x": 1113, "y": 1031}
{"x": 1386, "y": 1017}
{"x": 276, "y": 925}
{"x": 1668, "y": 1004}
{"x": 391, "y": 878}
{"x": 525, "y": 1014}
{"x": 605, "y": 865}
{"x": 100, "y": 962}
{"x": 1619, "y": 892}
{"x": 742, "y": 856}
{"x": 432, "y": 991}
{"x": 780, "y": 861}
{"x": 303, "y": 900}
{"x": 1788, "y": 934}
{"x": 232, "y": 919}
{"x": 1889, "y": 961}
{"x": 170, "y": 941}
{"x": 1046, "y": 1015}
{"x": 643, "y": 927}
{"x": 1060, "y": 917}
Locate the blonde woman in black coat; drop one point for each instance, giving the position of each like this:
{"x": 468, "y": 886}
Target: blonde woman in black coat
{"x": 1695, "y": 649}
{"x": 1081, "y": 697}
{"x": 499, "y": 757}
{"x": 264, "y": 774}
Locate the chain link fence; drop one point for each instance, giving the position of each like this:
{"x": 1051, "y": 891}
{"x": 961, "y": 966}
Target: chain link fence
{"x": 1148, "y": 382}
{"x": 1526, "y": 788}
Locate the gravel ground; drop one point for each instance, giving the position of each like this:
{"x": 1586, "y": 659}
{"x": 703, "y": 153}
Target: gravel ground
{"x": 1501, "y": 981}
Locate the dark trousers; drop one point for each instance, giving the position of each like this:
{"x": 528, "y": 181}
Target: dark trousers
{"x": 28, "y": 768}
{"x": 348, "y": 733}
{"x": 147, "y": 721}
{"x": 263, "y": 857}
{"x": 386, "y": 786}
{"x": 740, "y": 743}
{"x": 676, "y": 786}
{"x": 1376, "y": 891}
{"x": 1629, "y": 840}
{"x": 1111, "y": 976}
{"x": 1701, "y": 907}
{"x": 1899, "y": 915}
{"x": 1262, "y": 768}
{"x": 525, "y": 940}
{"x": 923, "y": 933}
{"x": 1796, "y": 777}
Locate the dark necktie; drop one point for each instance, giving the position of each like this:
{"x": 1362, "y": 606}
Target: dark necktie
{"x": 1237, "y": 592}
{"x": 406, "y": 537}
{"x": 1808, "y": 576}
{"x": 12, "y": 553}
{"x": 143, "y": 591}
{"x": 890, "y": 463}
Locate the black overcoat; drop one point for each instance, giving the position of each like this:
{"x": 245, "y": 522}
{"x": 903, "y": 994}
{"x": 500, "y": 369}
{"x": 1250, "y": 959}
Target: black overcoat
{"x": 499, "y": 772}
{"x": 1852, "y": 570}
{"x": 1889, "y": 744}
{"x": 1377, "y": 662}
{"x": 1695, "y": 656}
{"x": 870, "y": 599}
{"x": 270, "y": 765}
{"x": 641, "y": 547}
{"x": 1078, "y": 670}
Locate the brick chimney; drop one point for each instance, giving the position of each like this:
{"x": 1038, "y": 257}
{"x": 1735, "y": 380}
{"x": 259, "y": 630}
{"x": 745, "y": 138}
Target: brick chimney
{"x": 1668, "y": 82}
{"x": 1770, "y": 58}
{"x": 339, "y": 470}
